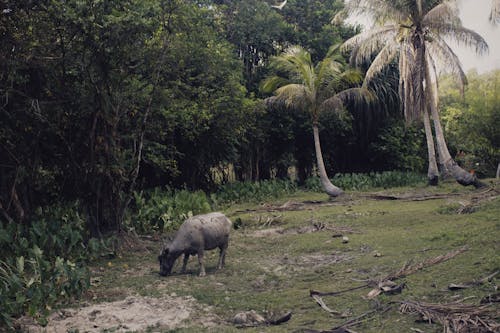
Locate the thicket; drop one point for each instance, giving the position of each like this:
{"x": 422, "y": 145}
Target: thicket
{"x": 122, "y": 114}
{"x": 163, "y": 210}
{"x": 471, "y": 121}
{"x": 45, "y": 262}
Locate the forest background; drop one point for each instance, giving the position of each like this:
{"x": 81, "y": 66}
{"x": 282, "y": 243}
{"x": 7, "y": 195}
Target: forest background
{"x": 128, "y": 115}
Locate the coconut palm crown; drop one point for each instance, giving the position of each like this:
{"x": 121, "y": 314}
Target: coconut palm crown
{"x": 415, "y": 33}
{"x": 301, "y": 84}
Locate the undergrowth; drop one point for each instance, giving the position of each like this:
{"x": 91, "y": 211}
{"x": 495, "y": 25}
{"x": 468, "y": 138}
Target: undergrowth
{"x": 44, "y": 262}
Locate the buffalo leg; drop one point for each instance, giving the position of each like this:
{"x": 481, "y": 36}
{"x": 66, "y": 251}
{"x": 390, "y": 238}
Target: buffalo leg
{"x": 184, "y": 263}
{"x": 200, "y": 261}
{"x": 222, "y": 256}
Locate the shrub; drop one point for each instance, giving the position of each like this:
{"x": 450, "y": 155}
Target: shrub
{"x": 238, "y": 192}
{"x": 164, "y": 210}
{"x": 365, "y": 181}
{"x": 42, "y": 263}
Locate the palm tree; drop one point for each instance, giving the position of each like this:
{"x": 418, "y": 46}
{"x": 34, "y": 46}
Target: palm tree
{"x": 413, "y": 32}
{"x": 314, "y": 88}
{"x": 495, "y": 12}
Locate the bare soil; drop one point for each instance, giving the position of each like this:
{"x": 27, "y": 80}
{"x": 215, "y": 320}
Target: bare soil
{"x": 134, "y": 313}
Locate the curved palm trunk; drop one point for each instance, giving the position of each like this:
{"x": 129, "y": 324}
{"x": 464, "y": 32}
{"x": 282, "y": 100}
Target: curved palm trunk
{"x": 330, "y": 189}
{"x": 461, "y": 176}
{"x": 432, "y": 171}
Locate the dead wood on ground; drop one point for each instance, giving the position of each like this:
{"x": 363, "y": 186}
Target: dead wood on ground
{"x": 387, "y": 284}
{"x": 253, "y": 319}
{"x": 474, "y": 283}
{"x": 408, "y": 268}
{"x": 456, "y": 317}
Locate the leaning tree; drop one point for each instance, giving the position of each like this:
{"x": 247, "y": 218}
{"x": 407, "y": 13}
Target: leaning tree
{"x": 301, "y": 84}
{"x": 415, "y": 34}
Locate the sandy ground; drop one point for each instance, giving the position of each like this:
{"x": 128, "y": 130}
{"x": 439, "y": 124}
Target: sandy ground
{"x": 131, "y": 314}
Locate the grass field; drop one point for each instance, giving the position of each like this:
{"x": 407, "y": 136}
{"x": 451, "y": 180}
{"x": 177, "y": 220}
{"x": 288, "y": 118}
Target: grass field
{"x": 286, "y": 248}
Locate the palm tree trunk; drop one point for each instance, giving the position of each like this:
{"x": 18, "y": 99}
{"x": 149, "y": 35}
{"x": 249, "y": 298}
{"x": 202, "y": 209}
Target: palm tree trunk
{"x": 432, "y": 171}
{"x": 461, "y": 176}
{"x": 330, "y": 189}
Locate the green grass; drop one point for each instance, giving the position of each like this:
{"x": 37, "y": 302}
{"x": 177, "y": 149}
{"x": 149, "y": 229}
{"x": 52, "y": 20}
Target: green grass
{"x": 275, "y": 273}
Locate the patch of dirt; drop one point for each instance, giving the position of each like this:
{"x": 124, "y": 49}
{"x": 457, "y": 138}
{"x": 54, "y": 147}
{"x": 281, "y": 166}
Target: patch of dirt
{"x": 131, "y": 314}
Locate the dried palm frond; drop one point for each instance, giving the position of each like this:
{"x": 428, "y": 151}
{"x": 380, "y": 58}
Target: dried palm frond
{"x": 444, "y": 12}
{"x": 408, "y": 268}
{"x": 384, "y": 57}
{"x": 456, "y": 317}
{"x": 447, "y": 59}
{"x": 365, "y": 44}
{"x": 459, "y": 34}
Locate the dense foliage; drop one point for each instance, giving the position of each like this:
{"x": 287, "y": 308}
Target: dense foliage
{"x": 44, "y": 263}
{"x": 133, "y": 114}
{"x": 471, "y": 122}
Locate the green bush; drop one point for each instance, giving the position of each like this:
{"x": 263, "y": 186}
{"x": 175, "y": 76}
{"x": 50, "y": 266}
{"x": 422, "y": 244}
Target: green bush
{"x": 238, "y": 192}
{"x": 164, "y": 210}
{"x": 42, "y": 263}
{"x": 365, "y": 181}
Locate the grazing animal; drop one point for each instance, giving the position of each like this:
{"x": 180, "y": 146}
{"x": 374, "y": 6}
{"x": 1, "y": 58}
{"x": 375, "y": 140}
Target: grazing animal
{"x": 195, "y": 235}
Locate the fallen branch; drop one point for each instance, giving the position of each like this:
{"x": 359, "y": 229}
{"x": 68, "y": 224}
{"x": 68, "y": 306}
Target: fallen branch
{"x": 333, "y": 293}
{"x": 408, "y": 269}
{"x": 253, "y": 319}
{"x": 322, "y": 304}
{"x": 455, "y": 317}
{"x": 474, "y": 283}
{"x": 386, "y": 284}
{"x": 495, "y": 298}
{"x": 358, "y": 320}
{"x": 378, "y": 196}
{"x": 280, "y": 320}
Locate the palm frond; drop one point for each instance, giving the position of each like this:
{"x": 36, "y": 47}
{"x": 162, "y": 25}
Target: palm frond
{"x": 447, "y": 60}
{"x": 461, "y": 35}
{"x": 294, "y": 94}
{"x": 354, "y": 95}
{"x": 383, "y": 58}
{"x": 339, "y": 18}
{"x": 326, "y": 70}
{"x": 411, "y": 82}
{"x": 351, "y": 77}
{"x": 444, "y": 12}
{"x": 381, "y": 11}
{"x": 296, "y": 63}
{"x": 364, "y": 45}
{"x": 272, "y": 83}
{"x": 343, "y": 80}
{"x": 495, "y": 12}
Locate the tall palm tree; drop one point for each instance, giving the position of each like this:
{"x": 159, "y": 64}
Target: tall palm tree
{"x": 413, "y": 32}
{"x": 314, "y": 88}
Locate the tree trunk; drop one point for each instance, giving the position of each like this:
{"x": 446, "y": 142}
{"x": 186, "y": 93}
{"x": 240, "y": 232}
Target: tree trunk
{"x": 498, "y": 171}
{"x": 461, "y": 176}
{"x": 332, "y": 190}
{"x": 432, "y": 171}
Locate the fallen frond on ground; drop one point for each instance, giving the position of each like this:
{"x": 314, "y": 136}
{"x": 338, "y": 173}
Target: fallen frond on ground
{"x": 408, "y": 268}
{"x": 456, "y": 317}
{"x": 386, "y": 284}
{"x": 474, "y": 283}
